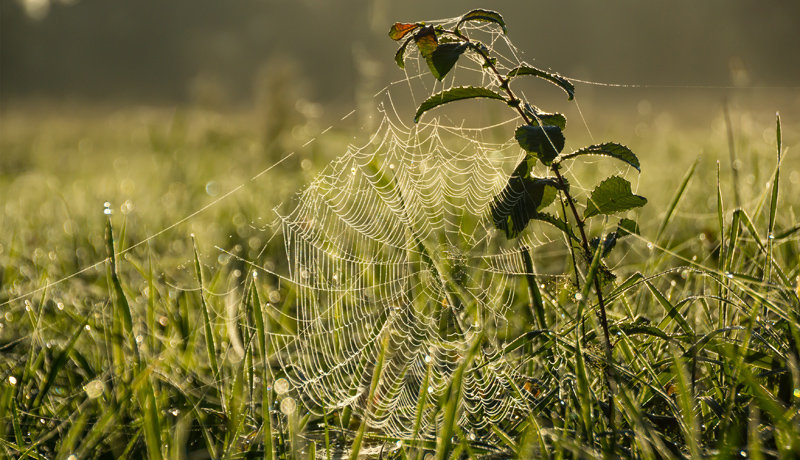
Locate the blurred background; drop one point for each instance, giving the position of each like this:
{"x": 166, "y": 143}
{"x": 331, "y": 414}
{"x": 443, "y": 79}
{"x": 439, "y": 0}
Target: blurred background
{"x": 109, "y": 53}
{"x": 161, "y": 107}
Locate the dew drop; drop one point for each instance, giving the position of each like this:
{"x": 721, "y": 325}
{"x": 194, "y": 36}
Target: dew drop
{"x": 72, "y": 457}
{"x": 729, "y": 275}
{"x": 427, "y": 358}
{"x": 578, "y": 296}
{"x": 93, "y": 389}
{"x": 13, "y": 381}
{"x": 87, "y": 327}
{"x": 107, "y": 208}
{"x": 139, "y": 339}
{"x": 430, "y": 389}
{"x": 60, "y": 305}
{"x": 288, "y": 405}
{"x": 255, "y": 274}
{"x": 796, "y": 393}
{"x": 771, "y": 236}
{"x": 391, "y": 166}
{"x": 274, "y": 296}
{"x": 281, "y": 386}
{"x": 650, "y": 246}
{"x": 743, "y": 453}
{"x": 175, "y": 412}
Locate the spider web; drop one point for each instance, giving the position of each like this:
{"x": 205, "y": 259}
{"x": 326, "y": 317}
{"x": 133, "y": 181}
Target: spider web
{"x": 393, "y": 247}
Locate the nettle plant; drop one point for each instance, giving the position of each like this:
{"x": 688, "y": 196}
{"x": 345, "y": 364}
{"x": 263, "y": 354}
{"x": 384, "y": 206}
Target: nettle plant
{"x": 528, "y": 196}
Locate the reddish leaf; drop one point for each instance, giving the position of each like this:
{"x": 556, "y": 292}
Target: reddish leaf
{"x": 400, "y": 30}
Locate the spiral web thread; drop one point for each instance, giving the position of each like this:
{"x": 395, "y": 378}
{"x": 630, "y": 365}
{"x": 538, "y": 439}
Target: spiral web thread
{"x": 393, "y": 245}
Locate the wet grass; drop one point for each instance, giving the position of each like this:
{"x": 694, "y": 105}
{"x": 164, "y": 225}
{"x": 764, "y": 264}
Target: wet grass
{"x": 140, "y": 351}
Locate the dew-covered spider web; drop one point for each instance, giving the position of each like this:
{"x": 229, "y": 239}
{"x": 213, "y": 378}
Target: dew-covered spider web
{"x": 393, "y": 252}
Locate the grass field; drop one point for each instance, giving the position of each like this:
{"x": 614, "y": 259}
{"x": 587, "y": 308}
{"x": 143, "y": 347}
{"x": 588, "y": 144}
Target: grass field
{"x": 119, "y": 340}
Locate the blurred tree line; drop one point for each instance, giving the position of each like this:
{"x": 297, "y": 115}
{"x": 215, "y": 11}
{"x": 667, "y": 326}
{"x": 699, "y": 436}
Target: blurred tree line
{"x": 178, "y": 51}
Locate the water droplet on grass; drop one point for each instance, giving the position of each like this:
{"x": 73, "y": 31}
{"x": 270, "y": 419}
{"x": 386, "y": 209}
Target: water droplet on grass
{"x": 93, "y": 389}
{"x": 13, "y": 380}
{"x": 281, "y": 386}
{"x": 288, "y": 405}
{"x": 107, "y": 208}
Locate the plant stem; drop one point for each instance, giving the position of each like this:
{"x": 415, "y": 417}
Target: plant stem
{"x": 601, "y": 304}
{"x": 516, "y": 104}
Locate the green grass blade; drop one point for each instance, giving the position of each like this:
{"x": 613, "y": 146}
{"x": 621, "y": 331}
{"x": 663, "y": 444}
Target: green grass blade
{"x": 676, "y": 199}
{"x": 584, "y": 391}
{"x": 422, "y": 399}
{"x": 670, "y": 309}
{"x": 208, "y": 330}
{"x": 261, "y": 332}
{"x": 536, "y": 305}
{"x": 376, "y": 375}
{"x": 687, "y": 406}
{"x": 122, "y": 321}
{"x": 444, "y": 441}
{"x": 773, "y": 204}
{"x": 59, "y": 363}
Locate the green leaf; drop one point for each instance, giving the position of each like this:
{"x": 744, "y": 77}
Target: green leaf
{"x": 455, "y": 94}
{"x": 611, "y": 149}
{"x": 543, "y": 141}
{"x": 539, "y": 118}
{"x": 444, "y": 57}
{"x": 401, "y": 29}
{"x": 611, "y": 196}
{"x": 483, "y": 16}
{"x": 553, "y": 78}
{"x": 521, "y": 200}
{"x": 426, "y": 41}
{"x": 399, "y": 57}
{"x": 627, "y": 227}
